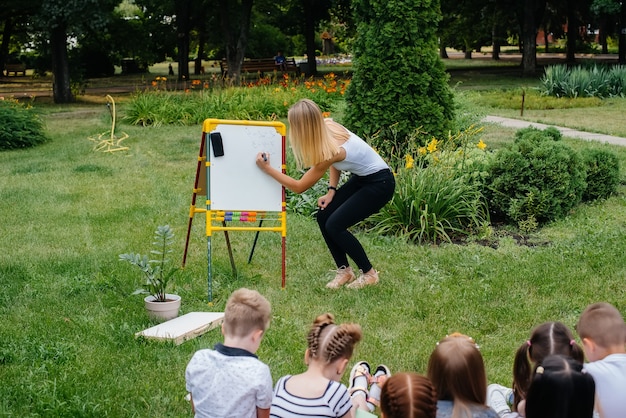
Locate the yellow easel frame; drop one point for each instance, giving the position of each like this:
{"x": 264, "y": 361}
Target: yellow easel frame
{"x": 203, "y": 186}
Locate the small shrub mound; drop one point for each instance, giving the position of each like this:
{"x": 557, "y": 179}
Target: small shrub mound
{"x": 20, "y": 126}
{"x": 602, "y": 174}
{"x": 536, "y": 179}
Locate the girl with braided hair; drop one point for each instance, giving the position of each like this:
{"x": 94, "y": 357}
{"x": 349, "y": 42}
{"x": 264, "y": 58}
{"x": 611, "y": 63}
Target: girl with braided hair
{"x": 318, "y": 391}
{"x": 408, "y": 395}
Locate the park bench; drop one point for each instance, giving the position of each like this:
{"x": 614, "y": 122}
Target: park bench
{"x": 262, "y": 65}
{"x": 15, "y": 69}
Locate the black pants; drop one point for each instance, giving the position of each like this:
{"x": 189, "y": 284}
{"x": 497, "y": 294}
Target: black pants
{"x": 353, "y": 202}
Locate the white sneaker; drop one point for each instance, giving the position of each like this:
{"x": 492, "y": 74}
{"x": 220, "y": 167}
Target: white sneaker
{"x": 500, "y": 399}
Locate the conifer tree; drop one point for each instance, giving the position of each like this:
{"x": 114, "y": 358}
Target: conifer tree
{"x": 399, "y": 82}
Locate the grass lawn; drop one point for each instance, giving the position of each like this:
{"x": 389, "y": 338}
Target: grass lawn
{"x": 67, "y": 345}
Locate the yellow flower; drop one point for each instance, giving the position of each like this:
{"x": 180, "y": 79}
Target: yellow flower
{"x": 432, "y": 145}
{"x": 422, "y": 150}
{"x": 481, "y": 144}
{"x": 409, "y": 161}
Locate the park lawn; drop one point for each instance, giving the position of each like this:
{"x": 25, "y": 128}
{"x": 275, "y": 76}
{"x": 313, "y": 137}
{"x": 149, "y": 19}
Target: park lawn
{"x": 67, "y": 345}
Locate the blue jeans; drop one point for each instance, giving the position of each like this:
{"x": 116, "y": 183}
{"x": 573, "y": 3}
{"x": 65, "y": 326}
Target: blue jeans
{"x": 358, "y": 198}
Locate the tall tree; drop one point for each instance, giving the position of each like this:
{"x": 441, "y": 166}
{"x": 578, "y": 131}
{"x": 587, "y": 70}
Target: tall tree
{"x": 61, "y": 20}
{"x": 399, "y": 82}
{"x": 529, "y": 38}
{"x": 235, "y": 22}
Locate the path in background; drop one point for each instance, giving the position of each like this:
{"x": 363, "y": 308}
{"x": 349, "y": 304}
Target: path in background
{"x": 570, "y": 133}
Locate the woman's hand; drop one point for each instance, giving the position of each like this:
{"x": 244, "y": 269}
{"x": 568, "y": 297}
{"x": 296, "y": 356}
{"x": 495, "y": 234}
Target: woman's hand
{"x": 263, "y": 161}
{"x": 325, "y": 200}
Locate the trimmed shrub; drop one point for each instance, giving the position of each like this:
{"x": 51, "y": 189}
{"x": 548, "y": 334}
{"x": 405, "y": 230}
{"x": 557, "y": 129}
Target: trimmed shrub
{"x": 535, "y": 179}
{"x": 398, "y": 78}
{"x": 20, "y": 126}
{"x": 602, "y": 174}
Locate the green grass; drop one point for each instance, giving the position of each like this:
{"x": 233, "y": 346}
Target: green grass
{"x": 67, "y": 345}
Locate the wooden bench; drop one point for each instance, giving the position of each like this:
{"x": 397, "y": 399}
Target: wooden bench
{"x": 15, "y": 69}
{"x": 263, "y": 65}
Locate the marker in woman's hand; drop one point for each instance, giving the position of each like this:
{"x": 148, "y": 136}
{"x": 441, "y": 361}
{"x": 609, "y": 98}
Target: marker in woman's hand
{"x": 264, "y": 157}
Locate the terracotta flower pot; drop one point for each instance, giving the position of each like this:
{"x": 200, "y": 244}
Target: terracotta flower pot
{"x": 163, "y": 311}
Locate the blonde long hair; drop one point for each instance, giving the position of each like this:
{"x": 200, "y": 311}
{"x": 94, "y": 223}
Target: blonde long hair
{"x": 312, "y": 138}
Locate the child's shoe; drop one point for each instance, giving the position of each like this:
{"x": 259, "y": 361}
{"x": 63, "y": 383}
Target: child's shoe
{"x": 500, "y": 399}
{"x": 381, "y": 374}
{"x": 365, "y": 279}
{"x": 359, "y": 380}
{"x": 343, "y": 275}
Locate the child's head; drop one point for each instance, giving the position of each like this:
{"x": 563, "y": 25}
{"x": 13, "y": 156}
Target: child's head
{"x": 560, "y": 389}
{"x": 546, "y": 339}
{"x": 408, "y": 395}
{"x": 309, "y": 137}
{"x": 602, "y": 330}
{"x": 328, "y": 342}
{"x": 246, "y": 311}
{"x": 457, "y": 371}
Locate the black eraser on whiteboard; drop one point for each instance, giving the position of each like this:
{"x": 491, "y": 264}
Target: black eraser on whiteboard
{"x": 217, "y": 144}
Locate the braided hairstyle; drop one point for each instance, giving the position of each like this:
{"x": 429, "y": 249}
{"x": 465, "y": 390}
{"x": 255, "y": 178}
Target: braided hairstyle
{"x": 546, "y": 339}
{"x": 328, "y": 342}
{"x": 408, "y": 395}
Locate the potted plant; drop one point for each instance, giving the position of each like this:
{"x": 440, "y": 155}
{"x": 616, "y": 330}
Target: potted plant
{"x": 159, "y": 304}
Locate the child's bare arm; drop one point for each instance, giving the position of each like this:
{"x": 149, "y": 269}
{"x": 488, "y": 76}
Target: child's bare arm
{"x": 262, "y": 413}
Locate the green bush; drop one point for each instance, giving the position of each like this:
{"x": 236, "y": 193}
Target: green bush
{"x": 602, "y": 174}
{"x": 535, "y": 179}
{"x": 20, "y": 126}
{"x": 398, "y": 78}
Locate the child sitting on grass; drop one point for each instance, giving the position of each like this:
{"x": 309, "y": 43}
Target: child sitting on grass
{"x": 408, "y": 395}
{"x": 230, "y": 381}
{"x": 546, "y": 339}
{"x": 457, "y": 371}
{"x": 603, "y": 333}
{"x": 560, "y": 388}
{"x": 318, "y": 392}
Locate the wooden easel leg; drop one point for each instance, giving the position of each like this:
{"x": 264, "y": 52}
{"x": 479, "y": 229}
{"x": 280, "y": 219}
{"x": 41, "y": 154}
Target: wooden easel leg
{"x": 256, "y": 237}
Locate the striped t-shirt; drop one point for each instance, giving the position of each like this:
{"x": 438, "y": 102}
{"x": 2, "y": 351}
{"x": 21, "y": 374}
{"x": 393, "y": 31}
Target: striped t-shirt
{"x": 335, "y": 402}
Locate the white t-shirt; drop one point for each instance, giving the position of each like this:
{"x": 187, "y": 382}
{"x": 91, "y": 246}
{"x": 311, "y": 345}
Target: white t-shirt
{"x": 361, "y": 159}
{"x": 228, "y": 382}
{"x": 610, "y": 377}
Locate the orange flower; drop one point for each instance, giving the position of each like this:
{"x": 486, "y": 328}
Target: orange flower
{"x": 326, "y": 114}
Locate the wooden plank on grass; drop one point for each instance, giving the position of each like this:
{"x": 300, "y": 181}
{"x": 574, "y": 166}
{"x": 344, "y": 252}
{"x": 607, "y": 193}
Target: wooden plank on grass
{"x": 184, "y": 327}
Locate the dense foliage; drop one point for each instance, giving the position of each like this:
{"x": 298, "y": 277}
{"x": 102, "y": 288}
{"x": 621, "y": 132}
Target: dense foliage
{"x": 603, "y": 175}
{"x": 535, "y": 179}
{"x": 399, "y": 81}
{"x": 20, "y": 126}
{"x": 582, "y": 81}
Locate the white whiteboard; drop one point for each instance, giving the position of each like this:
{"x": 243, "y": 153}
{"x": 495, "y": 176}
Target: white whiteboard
{"x": 235, "y": 181}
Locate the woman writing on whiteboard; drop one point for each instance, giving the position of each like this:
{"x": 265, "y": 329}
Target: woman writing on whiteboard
{"x": 323, "y": 144}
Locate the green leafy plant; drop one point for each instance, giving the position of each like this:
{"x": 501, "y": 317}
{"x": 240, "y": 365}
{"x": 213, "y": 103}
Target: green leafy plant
{"x": 20, "y": 126}
{"x": 157, "y": 275}
{"x": 602, "y": 174}
{"x": 535, "y": 177}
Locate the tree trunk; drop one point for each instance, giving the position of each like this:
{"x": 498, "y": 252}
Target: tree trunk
{"x": 529, "y": 36}
{"x": 622, "y": 35}
{"x": 495, "y": 42}
{"x": 572, "y": 33}
{"x": 309, "y": 36}
{"x": 442, "y": 50}
{"x": 61, "y": 87}
{"x": 236, "y": 43}
{"x": 197, "y": 69}
{"x": 4, "y": 46}
{"x": 182, "y": 20}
